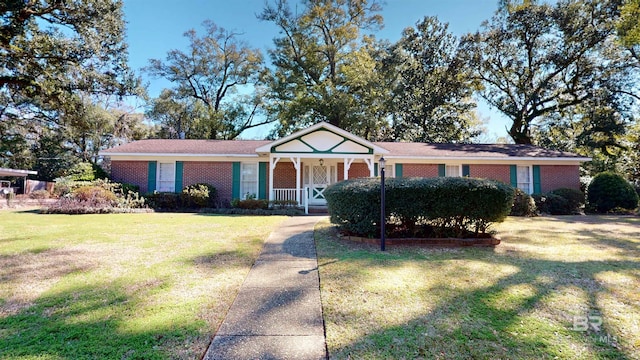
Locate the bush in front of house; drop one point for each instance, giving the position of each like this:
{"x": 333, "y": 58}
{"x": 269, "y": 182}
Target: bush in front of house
{"x": 95, "y": 197}
{"x": 199, "y": 196}
{"x": 523, "y": 204}
{"x": 609, "y": 191}
{"x": 250, "y": 204}
{"x": 164, "y": 201}
{"x": 458, "y": 207}
{"x": 561, "y": 201}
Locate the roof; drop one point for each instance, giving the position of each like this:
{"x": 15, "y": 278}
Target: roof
{"x": 395, "y": 149}
{"x": 184, "y": 147}
{"x": 16, "y": 172}
{"x": 466, "y": 151}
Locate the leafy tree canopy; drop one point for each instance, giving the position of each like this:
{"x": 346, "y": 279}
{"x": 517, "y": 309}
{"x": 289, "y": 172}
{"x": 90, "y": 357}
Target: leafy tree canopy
{"x": 213, "y": 73}
{"x": 537, "y": 62}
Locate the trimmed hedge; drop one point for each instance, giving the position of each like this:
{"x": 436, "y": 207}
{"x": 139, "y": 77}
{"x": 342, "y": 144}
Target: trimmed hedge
{"x": 456, "y": 207}
{"x": 199, "y": 195}
{"x": 523, "y": 204}
{"x": 560, "y": 202}
{"x": 609, "y": 191}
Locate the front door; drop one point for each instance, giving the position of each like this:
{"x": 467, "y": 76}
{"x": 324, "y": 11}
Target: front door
{"x": 319, "y": 177}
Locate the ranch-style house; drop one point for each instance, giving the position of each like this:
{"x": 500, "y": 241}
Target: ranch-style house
{"x": 300, "y": 166}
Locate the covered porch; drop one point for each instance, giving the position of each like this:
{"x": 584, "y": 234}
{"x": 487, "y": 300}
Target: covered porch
{"x": 301, "y": 166}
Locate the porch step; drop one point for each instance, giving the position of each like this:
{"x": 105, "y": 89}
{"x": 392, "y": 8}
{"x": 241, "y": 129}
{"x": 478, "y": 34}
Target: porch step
{"x": 318, "y": 210}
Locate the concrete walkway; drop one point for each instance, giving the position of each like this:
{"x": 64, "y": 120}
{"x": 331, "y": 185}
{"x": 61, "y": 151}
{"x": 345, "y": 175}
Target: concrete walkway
{"x": 277, "y": 313}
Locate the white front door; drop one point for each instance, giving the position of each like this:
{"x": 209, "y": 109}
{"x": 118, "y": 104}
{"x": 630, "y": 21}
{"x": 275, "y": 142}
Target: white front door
{"x": 319, "y": 177}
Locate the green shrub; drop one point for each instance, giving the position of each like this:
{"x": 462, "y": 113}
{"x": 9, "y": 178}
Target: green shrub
{"x": 164, "y": 201}
{"x": 553, "y": 204}
{"x": 199, "y": 195}
{"x": 575, "y": 199}
{"x": 608, "y": 191}
{"x": 452, "y": 206}
{"x": 523, "y": 204}
{"x": 250, "y": 204}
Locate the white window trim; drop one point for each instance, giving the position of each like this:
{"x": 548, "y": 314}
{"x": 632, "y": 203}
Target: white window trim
{"x": 452, "y": 165}
{"x": 243, "y": 194}
{"x": 158, "y": 176}
{"x": 530, "y": 173}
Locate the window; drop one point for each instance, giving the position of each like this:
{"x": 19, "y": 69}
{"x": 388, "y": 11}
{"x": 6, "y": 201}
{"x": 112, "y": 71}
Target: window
{"x": 524, "y": 179}
{"x": 248, "y": 180}
{"x": 452, "y": 171}
{"x": 167, "y": 177}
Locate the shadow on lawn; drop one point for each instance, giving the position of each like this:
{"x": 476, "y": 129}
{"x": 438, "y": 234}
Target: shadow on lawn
{"x": 72, "y": 325}
{"x": 485, "y": 322}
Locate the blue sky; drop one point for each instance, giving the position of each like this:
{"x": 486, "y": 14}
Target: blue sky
{"x": 155, "y": 27}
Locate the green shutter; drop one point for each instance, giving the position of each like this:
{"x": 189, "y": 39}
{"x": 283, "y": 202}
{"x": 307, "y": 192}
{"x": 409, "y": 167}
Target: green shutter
{"x": 513, "y": 172}
{"x": 375, "y": 169}
{"x": 537, "y": 186}
{"x": 441, "y": 170}
{"x": 235, "y": 182}
{"x": 398, "y": 170}
{"x": 151, "y": 176}
{"x": 466, "y": 172}
{"x": 179, "y": 172}
{"x": 262, "y": 180}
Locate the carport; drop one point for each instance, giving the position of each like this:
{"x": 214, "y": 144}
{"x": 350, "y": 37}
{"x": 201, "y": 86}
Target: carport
{"x": 5, "y": 186}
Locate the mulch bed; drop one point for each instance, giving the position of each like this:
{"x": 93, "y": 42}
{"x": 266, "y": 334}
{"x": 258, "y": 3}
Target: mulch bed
{"x": 441, "y": 242}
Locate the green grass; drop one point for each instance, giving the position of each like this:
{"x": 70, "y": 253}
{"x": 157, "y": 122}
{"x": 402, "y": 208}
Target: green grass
{"x": 129, "y": 286}
{"x": 517, "y": 300}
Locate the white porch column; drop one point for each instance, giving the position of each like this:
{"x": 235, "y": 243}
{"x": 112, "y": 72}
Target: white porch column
{"x": 272, "y": 165}
{"x": 296, "y": 164}
{"x": 347, "y": 165}
{"x": 370, "y": 162}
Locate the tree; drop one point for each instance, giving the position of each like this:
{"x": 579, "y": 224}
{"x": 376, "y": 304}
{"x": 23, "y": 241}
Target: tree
{"x": 311, "y": 80}
{"x": 536, "y": 61}
{"x": 177, "y": 117}
{"x": 52, "y": 48}
{"x": 629, "y": 25}
{"x": 433, "y": 89}
{"x": 54, "y": 55}
{"x": 211, "y": 72}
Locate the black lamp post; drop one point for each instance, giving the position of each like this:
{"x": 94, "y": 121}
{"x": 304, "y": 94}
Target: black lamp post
{"x": 383, "y": 219}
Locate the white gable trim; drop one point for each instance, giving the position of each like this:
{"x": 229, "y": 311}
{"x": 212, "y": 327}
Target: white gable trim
{"x": 355, "y": 143}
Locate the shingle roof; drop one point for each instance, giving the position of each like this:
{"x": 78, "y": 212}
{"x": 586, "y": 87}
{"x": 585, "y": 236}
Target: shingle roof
{"x": 396, "y": 149}
{"x": 471, "y": 150}
{"x": 199, "y": 147}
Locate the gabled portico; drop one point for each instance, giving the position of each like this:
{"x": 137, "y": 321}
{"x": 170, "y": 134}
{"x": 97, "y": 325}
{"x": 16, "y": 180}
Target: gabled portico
{"x": 317, "y": 153}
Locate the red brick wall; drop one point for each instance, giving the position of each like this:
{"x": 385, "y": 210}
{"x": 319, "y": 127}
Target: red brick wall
{"x": 420, "y": 170}
{"x": 559, "y": 176}
{"x": 132, "y": 172}
{"x": 356, "y": 170}
{"x": 218, "y": 174}
{"x": 494, "y": 172}
{"x": 284, "y": 176}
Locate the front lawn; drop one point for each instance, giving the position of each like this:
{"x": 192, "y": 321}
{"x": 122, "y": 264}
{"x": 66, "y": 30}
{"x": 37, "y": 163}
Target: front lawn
{"x": 563, "y": 288}
{"x": 126, "y": 286}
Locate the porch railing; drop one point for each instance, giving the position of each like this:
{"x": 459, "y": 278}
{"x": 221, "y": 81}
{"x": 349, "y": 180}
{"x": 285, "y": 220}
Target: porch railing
{"x": 290, "y": 195}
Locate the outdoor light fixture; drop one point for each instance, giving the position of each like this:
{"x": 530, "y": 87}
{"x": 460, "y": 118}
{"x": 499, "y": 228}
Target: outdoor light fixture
{"x": 383, "y": 219}
{"x": 321, "y": 162}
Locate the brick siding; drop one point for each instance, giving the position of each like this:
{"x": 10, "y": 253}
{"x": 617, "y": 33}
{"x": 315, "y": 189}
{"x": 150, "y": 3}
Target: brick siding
{"x": 218, "y": 174}
{"x": 357, "y": 170}
{"x": 494, "y": 172}
{"x": 284, "y": 176}
{"x": 420, "y": 170}
{"x": 131, "y": 172}
{"x": 559, "y": 176}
